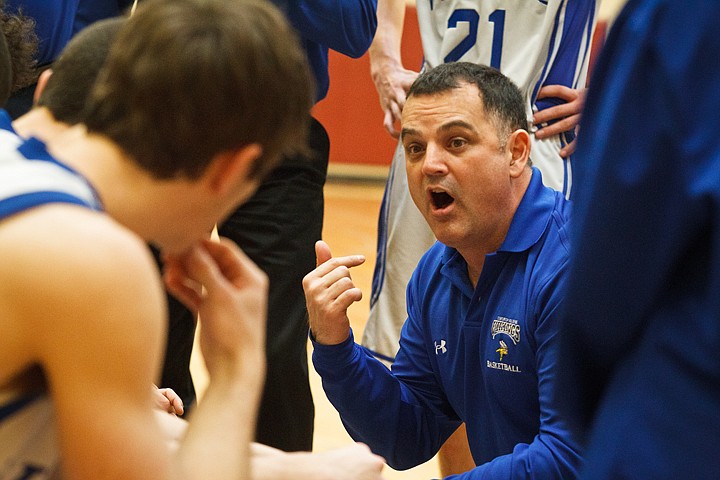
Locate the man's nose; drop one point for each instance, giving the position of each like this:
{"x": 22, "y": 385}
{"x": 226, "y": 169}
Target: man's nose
{"x": 435, "y": 161}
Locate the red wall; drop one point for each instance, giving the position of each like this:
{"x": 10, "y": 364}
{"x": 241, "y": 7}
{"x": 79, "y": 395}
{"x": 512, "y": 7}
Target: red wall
{"x": 351, "y": 112}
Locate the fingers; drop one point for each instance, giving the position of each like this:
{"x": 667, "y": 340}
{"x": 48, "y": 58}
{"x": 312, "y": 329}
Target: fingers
{"x": 574, "y": 102}
{"x": 329, "y": 292}
{"x": 389, "y": 122}
{"x": 169, "y": 401}
{"x": 326, "y": 263}
{"x": 322, "y": 252}
{"x": 558, "y": 91}
{"x": 181, "y": 286}
{"x": 569, "y": 149}
{"x": 564, "y": 125}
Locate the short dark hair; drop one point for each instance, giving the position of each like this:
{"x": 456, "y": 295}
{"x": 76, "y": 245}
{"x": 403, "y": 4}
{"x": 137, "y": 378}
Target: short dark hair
{"x": 189, "y": 79}
{"x": 22, "y": 42}
{"x": 76, "y": 70}
{"x": 501, "y": 98}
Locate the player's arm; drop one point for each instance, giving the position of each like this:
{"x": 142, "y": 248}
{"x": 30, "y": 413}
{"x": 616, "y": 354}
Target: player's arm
{"x": 94, "y": 312}
{"x": 354, "y": 462}
{"x": 391, "y": 79}
{"x": 229, "y": 292}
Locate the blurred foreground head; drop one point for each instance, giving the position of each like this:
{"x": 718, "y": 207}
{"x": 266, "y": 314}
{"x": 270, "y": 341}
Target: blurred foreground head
{"x": 189, "y": 79}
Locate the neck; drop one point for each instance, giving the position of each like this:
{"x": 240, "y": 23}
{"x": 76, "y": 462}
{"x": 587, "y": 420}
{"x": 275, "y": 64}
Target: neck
{"x": 475, "y": 255}
{"x": 39, "y": 123}
{"x": 124, "y": 189}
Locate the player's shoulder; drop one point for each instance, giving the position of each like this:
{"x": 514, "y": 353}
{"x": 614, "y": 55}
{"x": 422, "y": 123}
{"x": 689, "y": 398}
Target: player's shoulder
{"x": 68, "y": 258}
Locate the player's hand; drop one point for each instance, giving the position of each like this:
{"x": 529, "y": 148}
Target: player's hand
{"x": 567, "y": 114}
{"x": 168, "y": 401}
{"x": 355, "y": 462}
{"x": 392, "y": 81}
{"x": 329, "y": 291}
{"x": 232, "y": 305}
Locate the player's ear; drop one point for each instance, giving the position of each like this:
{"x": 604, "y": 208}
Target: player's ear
{"x": 518, "y": 148}
{"x": 41, "y": 84}
{"x": 230, "y": 169}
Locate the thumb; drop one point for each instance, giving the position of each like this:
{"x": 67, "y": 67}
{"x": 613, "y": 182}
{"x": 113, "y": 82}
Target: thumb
{"x": 322, "y": 252}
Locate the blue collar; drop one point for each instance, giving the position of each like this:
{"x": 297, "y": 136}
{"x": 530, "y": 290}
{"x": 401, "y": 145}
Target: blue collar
{"x": 531, "y": 217}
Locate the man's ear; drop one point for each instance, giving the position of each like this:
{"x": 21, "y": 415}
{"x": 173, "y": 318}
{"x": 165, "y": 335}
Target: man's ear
{"x": 519, "y": 147}
{"x": 41, "y": 84}
{"x": 229, "y": 169}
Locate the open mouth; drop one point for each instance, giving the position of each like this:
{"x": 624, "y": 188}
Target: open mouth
{"x": 441, "y": 200}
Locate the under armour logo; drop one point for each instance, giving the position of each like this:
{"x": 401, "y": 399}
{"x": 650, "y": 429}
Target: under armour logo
{"x": 440, "y": 348}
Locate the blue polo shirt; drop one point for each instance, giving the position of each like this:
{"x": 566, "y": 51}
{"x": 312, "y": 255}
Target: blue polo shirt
{"x": 483, "y": 355}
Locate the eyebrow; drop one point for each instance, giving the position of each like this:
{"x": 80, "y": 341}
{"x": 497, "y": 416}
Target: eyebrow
{"x": 444, "y": 127}
{"x": 455, "y": 124}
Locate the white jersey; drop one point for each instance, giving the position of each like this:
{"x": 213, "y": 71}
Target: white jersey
{"x": 30, "y": 177}
{"x": 28, "y": 438}
{"x": 535, "y": 43}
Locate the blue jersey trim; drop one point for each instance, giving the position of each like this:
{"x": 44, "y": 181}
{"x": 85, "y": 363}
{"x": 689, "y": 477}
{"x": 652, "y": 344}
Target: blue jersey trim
{"x": 26, "y": 201}
{"x": 578, "y": 17}
{"x": 379, "y": 272}
{"x": 35, "y": 150}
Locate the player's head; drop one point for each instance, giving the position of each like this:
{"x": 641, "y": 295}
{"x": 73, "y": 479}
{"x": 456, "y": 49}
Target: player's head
{"x": 501, "y": 98}
{"x": 17, "y": 57}
{"x": 188, "y": 80}
{"x": 64, "y": 89}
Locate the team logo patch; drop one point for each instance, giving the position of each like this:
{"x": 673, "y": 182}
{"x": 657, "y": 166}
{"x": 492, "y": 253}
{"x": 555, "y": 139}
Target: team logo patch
{"x": 507, "y": 326}
{"x": 510, "y": 328}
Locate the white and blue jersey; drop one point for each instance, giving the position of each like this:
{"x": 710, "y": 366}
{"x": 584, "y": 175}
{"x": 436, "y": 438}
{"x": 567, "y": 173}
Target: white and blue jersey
{"x": 30, "y": 177}
{"x": 485, "y": 356}
{"x": 28, "y": 437}
{"x": 533, "y": 42}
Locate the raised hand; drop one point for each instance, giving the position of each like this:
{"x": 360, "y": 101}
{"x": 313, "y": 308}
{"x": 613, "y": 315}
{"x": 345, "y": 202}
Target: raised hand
{"x": 329, "y": 291}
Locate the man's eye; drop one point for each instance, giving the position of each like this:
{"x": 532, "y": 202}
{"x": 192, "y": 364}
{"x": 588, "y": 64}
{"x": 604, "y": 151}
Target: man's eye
{"x": 413, "y": 149}
{"x": 457, "y": 142}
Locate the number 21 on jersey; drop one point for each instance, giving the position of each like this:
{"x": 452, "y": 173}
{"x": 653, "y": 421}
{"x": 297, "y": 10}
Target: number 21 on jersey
{"x": 496, "y": 19}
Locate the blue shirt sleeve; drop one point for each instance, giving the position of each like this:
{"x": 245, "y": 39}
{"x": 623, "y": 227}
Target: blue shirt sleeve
{"x": 346, "y": 26}
{"x": 379, "y": 409}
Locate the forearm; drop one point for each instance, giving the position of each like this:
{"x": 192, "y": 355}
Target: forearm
{"x": 217, "y": 443}
{"x": 385, "y": 48}
{"x": 378, "y": 409}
